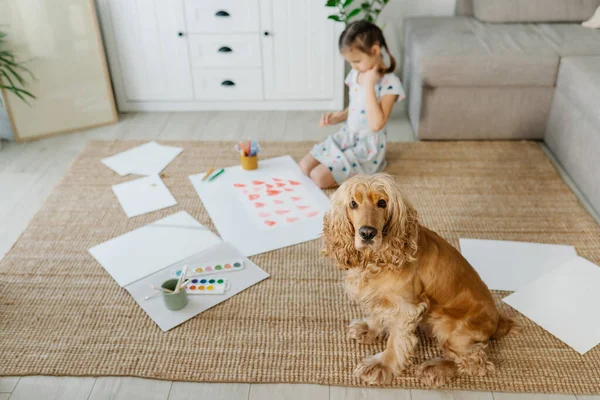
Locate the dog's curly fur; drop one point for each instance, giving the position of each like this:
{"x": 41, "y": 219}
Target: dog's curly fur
{"x": 404, "y": 277}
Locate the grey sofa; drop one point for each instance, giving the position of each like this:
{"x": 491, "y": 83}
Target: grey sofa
{"x": 510, "y": 69}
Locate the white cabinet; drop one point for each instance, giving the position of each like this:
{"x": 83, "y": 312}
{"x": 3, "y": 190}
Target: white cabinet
{"x": 152, "y": 58}
{"x": 299, "y": 50}
{"x": 222, "y": 16}
{"x": 171, "y": 55}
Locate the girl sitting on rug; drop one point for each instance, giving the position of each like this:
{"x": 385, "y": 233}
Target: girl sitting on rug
{"x": 359, "y": 146}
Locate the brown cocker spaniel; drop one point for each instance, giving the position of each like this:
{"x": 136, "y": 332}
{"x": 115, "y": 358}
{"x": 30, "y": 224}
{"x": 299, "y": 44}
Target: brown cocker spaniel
{"x": 404, "y": 275}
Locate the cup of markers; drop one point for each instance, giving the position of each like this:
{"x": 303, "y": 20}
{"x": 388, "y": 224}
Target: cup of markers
{"x": 248, "y": 154}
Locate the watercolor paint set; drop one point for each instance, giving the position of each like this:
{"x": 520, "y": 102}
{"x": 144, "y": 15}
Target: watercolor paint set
{"x": 211, "y": 268}
{"x": 207, "y": 286}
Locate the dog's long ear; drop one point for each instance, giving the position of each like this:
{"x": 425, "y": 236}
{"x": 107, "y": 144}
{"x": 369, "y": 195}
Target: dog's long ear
{"x": 338, "y": 232}
{"x": 401, "y": 232}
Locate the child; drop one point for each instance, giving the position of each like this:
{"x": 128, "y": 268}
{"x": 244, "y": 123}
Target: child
{"x": 359, "y": 146}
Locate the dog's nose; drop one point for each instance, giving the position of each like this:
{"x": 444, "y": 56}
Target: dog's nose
{"x": 367, "y": 232}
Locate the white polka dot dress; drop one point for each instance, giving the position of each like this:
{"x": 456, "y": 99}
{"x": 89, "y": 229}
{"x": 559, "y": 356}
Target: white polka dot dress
{"x": 355, "y": 149}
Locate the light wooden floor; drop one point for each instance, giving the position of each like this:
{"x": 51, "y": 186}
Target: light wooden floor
{"x": 29, "y": 171}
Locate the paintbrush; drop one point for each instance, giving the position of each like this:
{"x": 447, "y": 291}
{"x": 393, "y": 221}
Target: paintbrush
{"x": 151, "y": 296}
{"x": 181, "y": 279}
{"x": 161, "y": 289}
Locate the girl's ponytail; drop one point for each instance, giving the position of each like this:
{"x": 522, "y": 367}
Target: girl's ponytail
{"x": 392, "y": 66}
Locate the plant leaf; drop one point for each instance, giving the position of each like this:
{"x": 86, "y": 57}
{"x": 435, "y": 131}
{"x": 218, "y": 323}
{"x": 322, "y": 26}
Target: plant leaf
{"x": 366, "y": 5}
{"x": 353, "y": 13}
{"x": 332, "y": 3}
{"x": 369, "y": 17}
{"x": 335, "y": 18}
{"x": 347, "y": 3}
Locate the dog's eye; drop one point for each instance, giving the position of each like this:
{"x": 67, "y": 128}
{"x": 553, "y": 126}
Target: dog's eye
{"x": 353, "y": 205}
{"x": 381, "y": 204}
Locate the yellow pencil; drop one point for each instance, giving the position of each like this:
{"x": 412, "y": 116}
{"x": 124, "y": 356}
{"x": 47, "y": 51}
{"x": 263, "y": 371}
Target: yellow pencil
{"x": 210, "y": 171}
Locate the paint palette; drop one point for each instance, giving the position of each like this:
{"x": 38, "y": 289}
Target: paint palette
{"x": 207, "y": 286}
{"x": 212, "y": 268}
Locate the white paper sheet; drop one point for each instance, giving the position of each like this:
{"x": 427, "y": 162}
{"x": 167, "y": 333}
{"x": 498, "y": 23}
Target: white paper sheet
{"x": 144, "y": 251}
{"x": 505, "y": 265}
{"x": 166, "y": 319}
{"x": 144, "y": 195}
{"x": 148, "y": 159}
{"x": 238, "y": 218}
{"x": 565, "y": 302}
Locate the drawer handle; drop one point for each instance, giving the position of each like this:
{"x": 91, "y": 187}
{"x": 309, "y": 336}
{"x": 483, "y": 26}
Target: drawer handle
{"x": 225, "y": 49}
{"x": 222, "y": 13}
{"x": 227, "y": 83}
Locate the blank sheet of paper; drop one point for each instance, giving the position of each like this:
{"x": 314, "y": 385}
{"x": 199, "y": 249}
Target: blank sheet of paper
{"x": 144, "y": 195}
{"x": 148, "y": 159}
{"x": 155, "y": 246}
{"x": 565, "y": 302}
{"x": 505, "y": 265}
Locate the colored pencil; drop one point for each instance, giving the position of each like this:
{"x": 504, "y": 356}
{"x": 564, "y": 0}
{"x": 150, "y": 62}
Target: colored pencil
{"x": 210, "y": 171}
{"x": 212, "y": 178}
{"x": 246, "y": 150}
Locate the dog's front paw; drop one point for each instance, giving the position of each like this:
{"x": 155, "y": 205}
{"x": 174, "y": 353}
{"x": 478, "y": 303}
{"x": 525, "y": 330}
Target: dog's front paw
{"x": 372, "y": 371}
{"x": 436, "y": 372}
{"x": 360, "y": 331}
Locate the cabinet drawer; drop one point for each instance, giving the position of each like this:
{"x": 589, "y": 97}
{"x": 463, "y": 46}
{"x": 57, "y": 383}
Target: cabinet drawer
{"x": 225, "y": 50}
{"x": 221, "y": 16}
{"x": 228, "y": 84}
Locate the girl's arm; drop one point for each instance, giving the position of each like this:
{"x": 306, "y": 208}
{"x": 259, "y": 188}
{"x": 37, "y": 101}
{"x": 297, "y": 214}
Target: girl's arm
{"x": 378, "y": 112}
{"x": 332, "y": 118}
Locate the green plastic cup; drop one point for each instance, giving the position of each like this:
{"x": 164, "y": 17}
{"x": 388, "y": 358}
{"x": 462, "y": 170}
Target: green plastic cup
{"x": 173, "y": 301}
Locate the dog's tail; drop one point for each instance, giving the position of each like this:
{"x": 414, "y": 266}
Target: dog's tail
{"x": 506, "y": 325}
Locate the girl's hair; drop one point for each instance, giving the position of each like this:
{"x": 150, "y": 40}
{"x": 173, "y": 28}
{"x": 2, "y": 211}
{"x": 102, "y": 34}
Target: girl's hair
{"x": 363, "y": 35}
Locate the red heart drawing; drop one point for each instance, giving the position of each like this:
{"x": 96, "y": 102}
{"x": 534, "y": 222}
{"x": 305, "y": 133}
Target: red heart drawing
{"x": 264, "y": 214}
{"x": 280, "y": 184}
{"x": 295, "y": 183}
{"x": 257, "y": 182}
{"x": 259, "y": 205}
{"x": 270, "y": 223}
{"x": 313, "y": 214}
{"x": 281, "y": 212}
{"x": 273, "y": 192}
{"x": 288, "y": 189}
{"x": 296, "y": 198}
{"x": 303, "y": 207}
{"x": 239, "y": 185}
{"x": 253, "y": 196}
{"x": 269, "y": 185}
{"x": 278, "y": 201}
{"x": 277, "y": 179}
{"x": 292, "y": 219}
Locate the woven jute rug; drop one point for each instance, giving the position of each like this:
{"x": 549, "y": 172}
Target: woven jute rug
{"x": 62, "y": 314}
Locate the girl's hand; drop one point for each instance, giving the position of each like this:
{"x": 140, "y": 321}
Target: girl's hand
{"x": 371, "y": 76}
{"x": 332, "y": 118}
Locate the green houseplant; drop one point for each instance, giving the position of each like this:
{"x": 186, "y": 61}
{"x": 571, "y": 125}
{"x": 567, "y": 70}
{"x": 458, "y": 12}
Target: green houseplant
{"x": 12, "y": 72}
{"x": 348, "y": 9}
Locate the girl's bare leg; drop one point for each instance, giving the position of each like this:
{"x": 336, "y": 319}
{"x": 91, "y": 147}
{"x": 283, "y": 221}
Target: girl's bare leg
{"x": 307, "y": 164}
{"x": 322, "y": 176}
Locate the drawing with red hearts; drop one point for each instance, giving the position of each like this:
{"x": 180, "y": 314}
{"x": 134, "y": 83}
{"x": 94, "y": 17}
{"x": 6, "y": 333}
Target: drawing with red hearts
{"x": 276, "y": 201}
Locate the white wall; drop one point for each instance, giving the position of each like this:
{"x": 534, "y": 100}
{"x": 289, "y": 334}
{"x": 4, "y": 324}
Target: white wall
{"x": 5, "y": 127}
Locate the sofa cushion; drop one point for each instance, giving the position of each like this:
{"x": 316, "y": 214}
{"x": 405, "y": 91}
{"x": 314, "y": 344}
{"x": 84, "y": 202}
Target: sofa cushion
{"x": 571, "y": 39}
{"x": 466, "y": 52}
{"x": 579, "y": 81}
{"x": 534, "y": 10}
